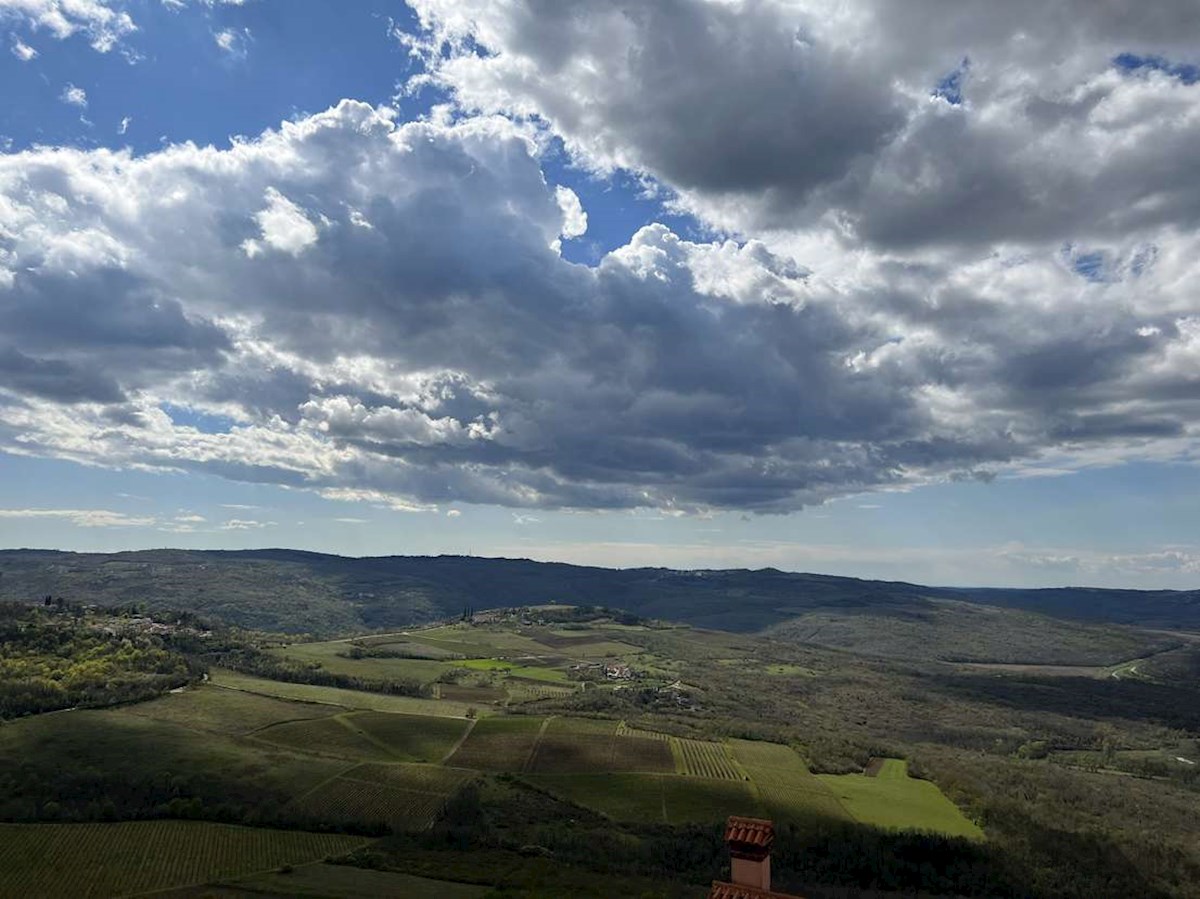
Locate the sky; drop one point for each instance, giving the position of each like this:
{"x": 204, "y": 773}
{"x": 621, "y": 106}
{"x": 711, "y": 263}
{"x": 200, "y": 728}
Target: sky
{"x": 890, "y": 290}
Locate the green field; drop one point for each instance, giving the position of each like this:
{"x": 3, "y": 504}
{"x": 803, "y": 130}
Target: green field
{"x": 349, "y": 699}
{"x": 413, "y": 738}
{"x": 426, "y": 778}
{"x": 124, "y": 748}
{"x": 703, "y": 758}
{"x": 665, "y": 798}
{"x": 344, "y": 882}
{"x": 693, "y": 800}
{"x": 343, "y": 800}
{"x": 498, "y": 744}
{"x": 789, "y": 791}
{"x": 566, "y": 725}
{"x": 519, "y": 690}
{"x": 624, "y": 730}
{"x": 896, "y": 801}
{"x": 334, "y": 736}
{"x": 532, "y": 672}
{"x": 480, "y": 642}
{"x": 212, "y": 709}
{"x": 82, "y": 860}
{"x": 327, "y": 656}
{"x": 397, "y": 796}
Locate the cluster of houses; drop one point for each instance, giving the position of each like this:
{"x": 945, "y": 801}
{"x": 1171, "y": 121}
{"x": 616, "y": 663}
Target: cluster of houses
{"x": 607, "y": 670}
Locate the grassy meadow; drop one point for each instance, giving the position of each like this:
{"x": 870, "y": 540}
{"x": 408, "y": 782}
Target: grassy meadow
{"x": 892, "y": 799}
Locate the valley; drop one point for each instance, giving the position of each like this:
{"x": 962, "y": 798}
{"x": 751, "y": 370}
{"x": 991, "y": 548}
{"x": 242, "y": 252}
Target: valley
{"x": 569, "y": 749}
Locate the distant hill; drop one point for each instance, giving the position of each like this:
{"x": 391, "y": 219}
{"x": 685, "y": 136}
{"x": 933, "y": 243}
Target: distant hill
{"x": 292, "y": 591}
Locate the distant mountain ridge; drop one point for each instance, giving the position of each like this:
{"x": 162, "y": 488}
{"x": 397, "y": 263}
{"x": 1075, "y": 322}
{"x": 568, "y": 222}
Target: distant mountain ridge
{"x": 300, "y": 591}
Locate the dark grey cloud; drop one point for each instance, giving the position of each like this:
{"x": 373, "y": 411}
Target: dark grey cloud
{"x": 381, "y": 313}
{"x": 789, "y": 113}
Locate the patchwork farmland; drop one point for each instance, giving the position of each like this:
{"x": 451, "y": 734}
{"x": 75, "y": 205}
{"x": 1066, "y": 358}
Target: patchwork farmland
{"x": 76, "y": 860}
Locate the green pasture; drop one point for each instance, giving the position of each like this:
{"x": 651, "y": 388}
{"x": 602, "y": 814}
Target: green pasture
{"x": 349, "y": 699}
{"x": 327, "y": 656}
{"x": 210, "y": 708}
{"x": 896, "y": 801}
{"x": 73, "y": 860}
{"x": 478, "y": 641}
{"x": 788, "y": 790}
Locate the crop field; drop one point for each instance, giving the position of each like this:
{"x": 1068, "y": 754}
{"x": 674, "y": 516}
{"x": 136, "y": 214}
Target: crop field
{"x": 637, "y": 754}
{"x": 596, "y": 649}
{"x": 414, "y": 738}
{"x": 666, "y": 798}
{"x": 532, "y": 672}
{"x": 893, "y": 800}
{"x": 573, "y": 754}
{"x": 323, "y": 736}
{"x": 344, "y": 882}
{"x": 348, "y": 699}
{"x": 224, "y": 711}
{"x": 789, "y": 791}
{"x": 498, "y": 744}
{"x": 566, "y": 725}
{"x": 520, "y": 690}
{"x": 136, "y": 749}
{"x": 404, "y": 644}
{"x": 690, "y": 800}
{"x": 478, "y": 641}
{"x": 426, "y": 778}
{"x": 590, "y": 752}
{"x": 624, "y": 730}
{"x": 702, "y": 758}
{"x": 327, "y": 656}
{"x": 346, "y": 801}
{"x": 81, "y": 860}
{"x": 467, "y": 693}
{"x": 623, "y": 797}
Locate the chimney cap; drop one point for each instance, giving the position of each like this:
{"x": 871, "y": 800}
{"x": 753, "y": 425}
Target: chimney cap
{"x": 757, "y": 833}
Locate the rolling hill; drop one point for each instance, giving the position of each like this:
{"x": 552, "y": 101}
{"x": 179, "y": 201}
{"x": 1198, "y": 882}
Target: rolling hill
{"x": 293, "y": 591}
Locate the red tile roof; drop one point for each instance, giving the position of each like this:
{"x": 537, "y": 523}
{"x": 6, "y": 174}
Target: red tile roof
{"x": 749, "y": 831}
{"x": 737, "y": 891}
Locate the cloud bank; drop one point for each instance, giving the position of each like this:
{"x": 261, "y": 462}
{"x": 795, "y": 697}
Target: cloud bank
{"x": 940, "y": 263}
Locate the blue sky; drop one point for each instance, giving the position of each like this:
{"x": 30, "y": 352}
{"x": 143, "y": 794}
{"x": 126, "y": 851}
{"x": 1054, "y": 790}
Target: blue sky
{"x": 385, "y": 328}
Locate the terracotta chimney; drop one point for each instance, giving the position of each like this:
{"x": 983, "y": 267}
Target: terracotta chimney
{"x": 749, "y": 841}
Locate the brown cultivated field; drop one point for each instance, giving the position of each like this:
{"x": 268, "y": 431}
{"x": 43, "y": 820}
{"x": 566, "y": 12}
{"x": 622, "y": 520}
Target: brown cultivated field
{"x": 584, "y": 753}
{"x": 498, "y": 744}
